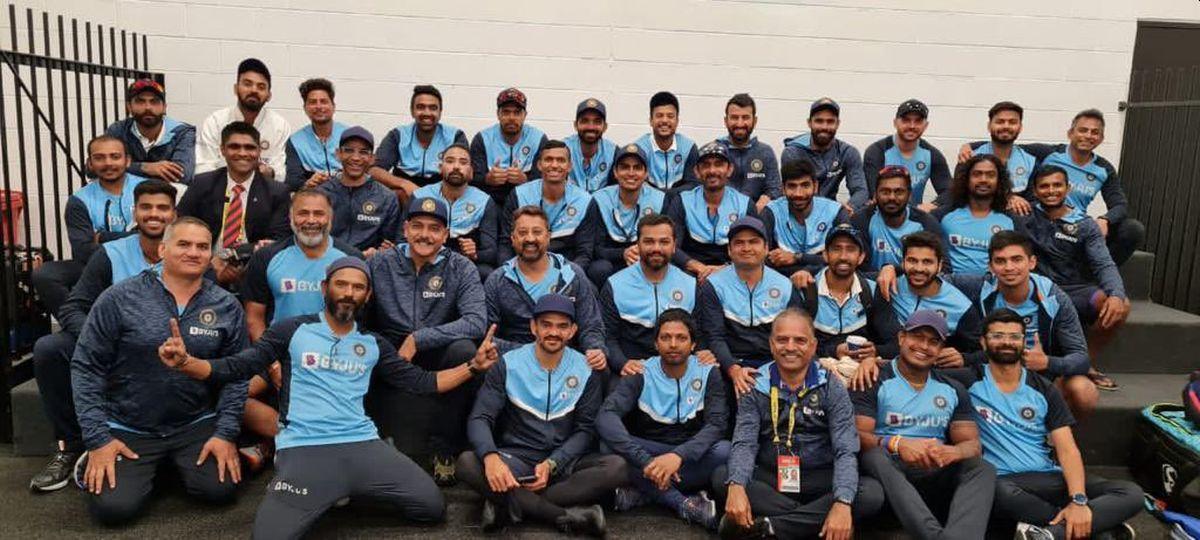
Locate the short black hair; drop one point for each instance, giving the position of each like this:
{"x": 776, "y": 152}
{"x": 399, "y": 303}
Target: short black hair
{"x": 1005, "y": 239}
{"x": 424, "y": 90}
{"x": 106, "y": 138}
{"x": 1094, "y": 114}
{"x": 1005, "y": 316}
{"x": 923, "y": 239}
{"x": 676, "y": 315}
{"x": 1047, "y": 170}
{"x": 664, "y": 98}
{"x": 239, "y": 128}
{"x": 651, "y": 220}
{"x": 154, "y": 186}
{"x": 1006, "y": 106}
{"x": 797, "y": 168}
{"x": 894, "y": 171}
{"x": 741, "y": 100}
{"x": 255, "y": 65}
{"x": 456, "y": 144}
{"x": 554, "y": 144}
{"x": 316, "y": 84}
{"x": 530, "y": 210}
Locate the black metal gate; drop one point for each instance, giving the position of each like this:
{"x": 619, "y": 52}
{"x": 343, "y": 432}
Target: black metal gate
{"x": 1160, "y": 157}
{"x": 62, "y": 82}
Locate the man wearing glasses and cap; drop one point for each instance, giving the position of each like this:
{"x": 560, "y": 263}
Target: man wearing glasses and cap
{"x": 617, "y": 210}
{"x": 924, "y": 162}
{"x": 833, "y": 159}
{"x": 591, "y": 153}
{"x": 504, "y": 154}
{"x": 704, "y": 214}
{"x": 328, "y": 448}
{"x": 429, "y": 301}
{"x": 159, "y": 146}
{"x": 366, "y": 214}
{"x": 920, "y": 440}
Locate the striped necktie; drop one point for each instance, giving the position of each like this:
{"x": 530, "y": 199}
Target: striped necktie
{"x": 233, "y": 218}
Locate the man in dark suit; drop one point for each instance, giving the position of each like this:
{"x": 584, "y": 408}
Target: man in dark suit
{"x": 240, "y": 205}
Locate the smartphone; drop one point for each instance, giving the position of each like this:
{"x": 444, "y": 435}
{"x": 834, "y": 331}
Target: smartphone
{"x": 527, "y": 479}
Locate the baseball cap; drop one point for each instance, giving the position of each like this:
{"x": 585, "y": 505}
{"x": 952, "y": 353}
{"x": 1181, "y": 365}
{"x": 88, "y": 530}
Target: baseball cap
{"x": 510, "y": 95}
{"x": 145, "y": 85}
{"x": 554, "y": 303}
{"x": 747, "y": 223}
{"x": 912, "y": 106}
{"x": 927, "y": 318}
{"x": 348, "y": 262}
{"x": 428, "y": 206}
{"x": 630, "y": 150}
{"x": 591, "y": 104}
{"x": 357, "y": 132}
{"x": 255, "y": 65}
{"x": 717, "y": 149}
{"x": 847, "y": 230}
{"x": 825, "y": 104}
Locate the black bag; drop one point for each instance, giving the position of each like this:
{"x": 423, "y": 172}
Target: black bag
{"x": 1166, "y": 457}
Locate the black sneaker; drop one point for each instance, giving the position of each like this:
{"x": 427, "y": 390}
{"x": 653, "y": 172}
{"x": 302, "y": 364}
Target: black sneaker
{"x": 585, "y": 521}
{"x": 728, "y": 530}
{"x": 444, "y": 473}
{"x": 56, "y": 474}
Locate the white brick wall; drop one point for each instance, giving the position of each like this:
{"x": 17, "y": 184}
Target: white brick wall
{"x": 1053, "y": 57}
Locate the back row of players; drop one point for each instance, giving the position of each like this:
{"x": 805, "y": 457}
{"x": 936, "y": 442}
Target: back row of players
{"x": 824, "y": 260}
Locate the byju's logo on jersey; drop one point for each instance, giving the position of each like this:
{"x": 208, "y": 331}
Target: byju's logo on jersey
{"x": 292, "y": 285}
{"x": 315, "y": 361}
{"x": 310, "y": 360}
{"x": 896, "y": 419}
{"x": 967, "y": 242}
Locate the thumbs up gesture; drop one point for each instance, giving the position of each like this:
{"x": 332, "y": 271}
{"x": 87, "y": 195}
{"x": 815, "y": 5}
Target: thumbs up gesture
{"x": 173, "y": 352}
{"x": 486, "y": 355}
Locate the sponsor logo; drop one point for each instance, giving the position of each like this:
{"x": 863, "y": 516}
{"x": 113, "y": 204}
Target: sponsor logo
{"x": 1169, "y": 477}
{"x": 315, "y": 361}
{"x": 967, "y": 242}
{"x": 208, "y": 317}
{"x": 433, "y": 289}
{"x": 370, "y": 219}
{"x": 284, "y": 486}
{"x": 987, "y": 414}
{"x": 896, "y": 419}
{"x": 310, "y": 360}
{"x": 1027, "y": 413}
{"x": 208, "y": 332}
{"x": 756, "y": 165}
{"x": 1067, "y": 237}
{"x": 882, "y": 246}
{"x": 291, "y": 285}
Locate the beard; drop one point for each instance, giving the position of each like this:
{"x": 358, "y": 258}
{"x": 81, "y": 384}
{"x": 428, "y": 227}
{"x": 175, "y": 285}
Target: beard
{"x": 455, "y": 179}
{"x": 1006, "y": 356}
{"x": 252, "y": 107}
{"x": 344, "y": 311}
{"x": 309, "y": 239}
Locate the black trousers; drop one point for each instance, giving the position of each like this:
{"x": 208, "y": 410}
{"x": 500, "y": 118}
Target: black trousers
{"x": 1037, "y": 497}
{"x": 310, "y": 479}
{"x": 801, "y": 515}
{"x": 448, "y": 429}
{"x": 52, "y": 368}
{"x": 969, "y": 486}
{"x": 135, "y": 477}
{"x": 590, "y": 480}
{"x": 53, "y": 281}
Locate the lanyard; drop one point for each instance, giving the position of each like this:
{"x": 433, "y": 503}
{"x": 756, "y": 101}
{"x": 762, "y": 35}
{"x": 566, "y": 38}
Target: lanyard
{"x": 791, "y": 416}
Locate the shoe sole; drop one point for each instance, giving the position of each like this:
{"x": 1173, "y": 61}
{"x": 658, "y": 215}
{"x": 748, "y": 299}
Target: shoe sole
{"x": 49, "y": 488}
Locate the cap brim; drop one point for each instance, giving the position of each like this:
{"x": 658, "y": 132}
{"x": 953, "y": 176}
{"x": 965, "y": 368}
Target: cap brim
{"x": 825, "y": 107}
{"x": 935, "y": 329}
{"x": 560, "y": 312}
{"x": 424, "y": 213}
{"x": 740, "y": 228}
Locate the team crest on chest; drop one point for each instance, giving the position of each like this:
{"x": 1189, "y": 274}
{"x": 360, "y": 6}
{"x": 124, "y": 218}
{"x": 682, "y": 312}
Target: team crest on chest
{"x": 369, "y": 207}
{"x": 360, "y": 349}
{"x": 470, "y": 208}
{"x": 940, "y": 402}
{"x": 1028, "y": 413}
{"x": 1020, "y": 171}
{"x": 525, "y": 150}
{"x": 677, "y": 295}
{"x": 571, "y": 211}
{"x": 774, "y": 292}
{"x": 572, "y": 382}
{"x": 678, "y": 159}
{"x": 822, "y": 226}
{"x": 1091, "y": 177}
{"x": 264, "y": 144}
{"x": 697, "y": 385}
{"x": 603, "y": 167}
{"x": 208, "y": 317}
{"x": 435, "y": 283}
{"x": 920, "y": 165}
{"x": 756, "y": 165}
{"x": 996, "y": 229}
{"x": 1070, "y": 228}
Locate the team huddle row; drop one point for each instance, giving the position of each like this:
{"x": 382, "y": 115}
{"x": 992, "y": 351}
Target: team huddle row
{"x": 650, "y": 327}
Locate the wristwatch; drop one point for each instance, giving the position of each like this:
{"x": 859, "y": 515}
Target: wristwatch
{"x": 1079, "y": 498}
{"x": 845, "y": 501}
{"x": 474, "y": 370}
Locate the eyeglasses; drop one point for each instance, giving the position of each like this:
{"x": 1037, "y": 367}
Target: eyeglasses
{"x": 1004, "y": 336}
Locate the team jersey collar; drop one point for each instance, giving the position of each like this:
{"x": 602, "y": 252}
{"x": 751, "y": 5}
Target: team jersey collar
{"x": 823, "y": 285}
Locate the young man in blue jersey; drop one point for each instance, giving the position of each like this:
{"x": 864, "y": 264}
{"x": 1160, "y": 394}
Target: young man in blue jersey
{"x": 704, "y": 214}
{"x": 976, "y": 210}
{"x": 429, "y": 301}
{"x": 592, "y": 156}
{"x": 312, "y": 150}
{"x": 566, "y": 204}
{"x": 839, "y": 297}
{"x": 159, "y": 146}
{"x": 833, "y": 159}
{"x": 366, "y": 214}
{"x": 925, "y": 163}
{"x": 474, "y": 217}
{"x": 533, "y": 427}
{"x": 409, "y": 156}
{"x": 798, "y": 222}
{"x": 328, "y": 448}
{"x": 504, "y": 155}
{"x": 1025, "y": 428}
{"x": 920, "y": 440}
{"x": 793, "y": 467}
{"x": 115, "y": 261}
{"x": 883, "y": 224}
{"x": 616, "y": 213}
{"x": 136, "y": 416}
{"x": 672, "y": 155}
{"x": 1004, "y": 126}
{"x": 755, "y": 169}
{"x": 669, "y": 422}
{"x": 736, "y": 305}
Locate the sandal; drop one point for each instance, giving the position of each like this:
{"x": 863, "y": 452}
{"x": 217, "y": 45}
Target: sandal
{"x": 1102, "y": 381}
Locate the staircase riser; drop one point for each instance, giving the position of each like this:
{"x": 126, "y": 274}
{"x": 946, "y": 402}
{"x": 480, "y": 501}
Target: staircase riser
{"x": 1152, "y": 348}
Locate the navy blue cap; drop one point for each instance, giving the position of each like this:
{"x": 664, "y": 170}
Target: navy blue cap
{"x": 824, "y": 104}
{"x": 554, "y": 303}
{"x": 428, "y": 206}
{"x": 847, "y": 230}
{"x": 631, "y": 150}
{"x": 747, "y": 223}
{"x": 912, "y": 106}
{"x": 927, "y": 318}
{"x": 255, "y": 65}
{"x": 348, "y": 262}
{"x": 715, "y": 148}
{"x": 591, "y": 104}
{"x": 358, "y": 132}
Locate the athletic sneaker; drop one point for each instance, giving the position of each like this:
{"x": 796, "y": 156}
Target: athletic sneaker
{"x": 728, "y": 530}
{"x": 78, "y": 470}
{"x": 701, "y": 510}
{"x": 56, "y": 474}
{"x": 1026, "y": 531}
{"x": 444, "y": 473}
{"x": 1123, "y": 531}
{"x": 628, "y": 498}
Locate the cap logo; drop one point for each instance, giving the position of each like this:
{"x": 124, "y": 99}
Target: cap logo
{"x": 208, "y": 317}
{"x": 593, "y": 103}
{"x": 733, "y": 217}
{"x": 942, "y": 312}
{"x": 756, "y": 165}
{"x": 428, "y": 205}
{"x": 631, "y": 148}
{"x": 360, "y": 349}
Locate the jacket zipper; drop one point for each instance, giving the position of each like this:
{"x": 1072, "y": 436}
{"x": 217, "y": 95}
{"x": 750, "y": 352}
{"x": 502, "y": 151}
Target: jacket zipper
{"x": 678, "y": 397}
{"x": 549, "y": 376}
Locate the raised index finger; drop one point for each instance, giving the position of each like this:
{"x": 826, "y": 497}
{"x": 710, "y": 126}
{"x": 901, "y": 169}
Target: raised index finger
{"x": 175, "y": 329}
{"x": 491, "y": 332}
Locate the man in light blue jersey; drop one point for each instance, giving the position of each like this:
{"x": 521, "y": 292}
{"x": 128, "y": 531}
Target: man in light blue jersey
{"x": 884, "y": 224}
{"x": 833, "y": 159}
{"x": 616, "y": 213}
{"x": 704, "y": 214}
{"x": 976, "y": 210}
{"x": 798, "y": 222}
{"x": 925, "y": 163}
{"x": 566, "y": 204}
{"x": 312, "y": 150}
{"x": 410, "y": 155}
{"x": 592, "y": 156}
{"x": 504, "y": 155}
{"x": 672, "y": 155}
{"x": 159, "y": 146}
{"x": 474, "y": 216}
{"x": 1004, "y": 126}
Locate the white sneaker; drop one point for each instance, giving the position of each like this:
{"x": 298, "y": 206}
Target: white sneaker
{"x": 1026, "y": 531}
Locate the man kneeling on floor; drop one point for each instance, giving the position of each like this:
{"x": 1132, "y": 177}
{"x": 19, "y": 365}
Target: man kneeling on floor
{"x": 328, "y": 449}
{"x": 794, "y": 458}
{"x": 668, "y": 422}
{"x": 533, "y": 426}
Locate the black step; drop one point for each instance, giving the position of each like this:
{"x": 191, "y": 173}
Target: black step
{"x": 1155, "y": 339}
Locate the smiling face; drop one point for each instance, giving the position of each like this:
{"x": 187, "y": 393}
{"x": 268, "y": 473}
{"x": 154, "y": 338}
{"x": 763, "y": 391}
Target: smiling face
{"x": 1005, "y": 127}
{"x": 910, "y": 127}
{"x": 919, "y": 347}
{"x": 843, "y": 256}
{"x": 631, "y": 173}
{"x": 656, "y": 245}
{"x": 530, "y": 237}
{"x": 590, "y": 126}
{"x": 425, "y": 235}
{"x": 187, "y": 251}
{"x": 555, "y": 164}
{"x": 1051, "y": 190}
{"x": 107, "y": 160}
{"x": 426, "y": 111}
{"x": 356, "y": 157}
{"x": 799, "y": 193}
{"x": 793, "y": 343}
{"x": 747, "y": 249}
{"x": 153, "y": 212}
{"x": 552, "y": 331}
{"x": 1004, "y": 342}
{"x": 740, "y": 122}
{"x": 714, "y": 172}
{"x": 921, "y": 266}
{"x": 664, "y": 120}
{"x": 1086, "y": 134}
{"x": 241, "y": 154}
{"x": 1011, "y": 265}
{"x": 318, "y": 106}
{"x": 346, "y": 292}
{"x": 312, "y": 218}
